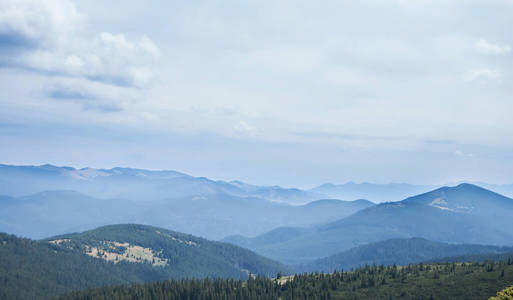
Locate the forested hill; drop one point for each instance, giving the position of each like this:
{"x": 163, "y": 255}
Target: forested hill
{"x": 434, "y": 281}
{"x": 403, "y": 252}
{"x": 118, "y": 254}
{"x": 185, "y": 255}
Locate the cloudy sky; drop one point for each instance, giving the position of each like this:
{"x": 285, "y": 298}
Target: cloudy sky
{"x": 295, "y": 92}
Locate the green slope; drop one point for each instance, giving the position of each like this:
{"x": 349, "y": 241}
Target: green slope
{"x": 118, "y": 254}
{"x": 433, "y": 281}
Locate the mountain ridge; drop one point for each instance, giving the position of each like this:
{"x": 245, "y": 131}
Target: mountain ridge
{"x": 416, "y": 216}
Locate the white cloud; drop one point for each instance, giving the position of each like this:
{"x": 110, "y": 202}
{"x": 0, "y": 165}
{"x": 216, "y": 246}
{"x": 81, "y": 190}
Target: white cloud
{"x": 147, "y": 44}
{"x": 489, "y": 48}
{"x": 49, "y": 36}
{"x": 244, "y": 128}
{"x": 90, "y": 96}
{"x": 42, "y": 22}
{"x": 463, "y": 154}
{"x": 480, "y": 74}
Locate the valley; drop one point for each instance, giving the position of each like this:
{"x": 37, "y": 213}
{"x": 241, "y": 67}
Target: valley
{"x": 229, "y": 231}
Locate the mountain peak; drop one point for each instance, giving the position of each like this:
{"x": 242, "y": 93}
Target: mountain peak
{"x": 468, "y": 188}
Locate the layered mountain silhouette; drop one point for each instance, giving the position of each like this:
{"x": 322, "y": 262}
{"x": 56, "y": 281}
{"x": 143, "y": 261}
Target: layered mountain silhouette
{"x": 462, "y": 214}
{"x": 142, "y": 185}
{"x": 213, "y": 216}
{"x": 135, "y": 184}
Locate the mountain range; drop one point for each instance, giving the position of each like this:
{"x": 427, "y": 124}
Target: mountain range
{"x": 265, "y": 230}
{"x": 212, "y": 216}
{"x": 141, "y": 185}
{"x": 135, "y": 184}
{"x": 462, "y": 214}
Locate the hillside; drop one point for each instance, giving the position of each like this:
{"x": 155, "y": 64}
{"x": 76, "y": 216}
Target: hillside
{"x": 212, "y": 216}
{"x": 399, "y": 252}
{"x": 462, "y": 214}
{"x": 118, "y": 254}
{"x": 433, "y": 281}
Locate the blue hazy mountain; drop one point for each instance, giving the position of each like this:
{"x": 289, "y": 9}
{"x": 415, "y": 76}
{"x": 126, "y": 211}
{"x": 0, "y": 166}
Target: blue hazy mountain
{"x": 135, "y": 184}
{"x": 462, "y": 214}
{"x": 143, "y": 185}
{"x": 55, "y": 212}
{"x": 375, "y": 192}
{"x": 213, "y": 216}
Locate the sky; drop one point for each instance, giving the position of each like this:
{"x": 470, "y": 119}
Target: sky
{"x": 295, "y": 93}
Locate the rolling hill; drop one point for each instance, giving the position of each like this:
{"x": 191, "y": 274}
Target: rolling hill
{"x": 118, "y": 254}
{"x": 462, "y": 214}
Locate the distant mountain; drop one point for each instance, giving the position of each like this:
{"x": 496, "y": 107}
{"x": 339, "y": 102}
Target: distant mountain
{"x": 218, "y": 216}
{"x": 462, "y": 214}
{"x": 56, "y": 212}
{"x": 118, "y": 254}
{"x": 375, "y": 192}
{"x": 213, "y": 216}
{"x": 503, "y": 189}
{"x": 135, "y": 184}
{"x": 275, "y": 236}
{"x": 315, "y": 209}
{"x": 399, "y": 252}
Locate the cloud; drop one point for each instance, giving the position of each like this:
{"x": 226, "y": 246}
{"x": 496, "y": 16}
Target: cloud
{"x": 486, "y": 47}
{"x": 65, "y": 93}
{"x": 462, "y": 154}
{"x": 482, "y": 74}
{"x": 49, "y": 36}
{"x": 244, "y": 128}
{"x": 90, "y": 99}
